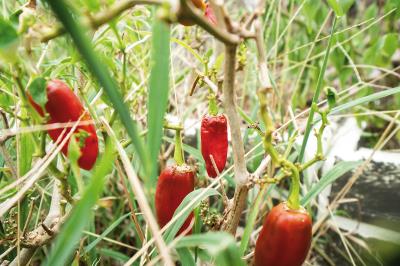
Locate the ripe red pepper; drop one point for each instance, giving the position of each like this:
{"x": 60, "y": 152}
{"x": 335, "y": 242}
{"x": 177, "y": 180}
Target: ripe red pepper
{"x": 285, "y": 237}
{"x": 64, "y": 106}
{"x": 214, "y": 137}
{"x": 214, "y": 142}
{"x": 174, "y": 183}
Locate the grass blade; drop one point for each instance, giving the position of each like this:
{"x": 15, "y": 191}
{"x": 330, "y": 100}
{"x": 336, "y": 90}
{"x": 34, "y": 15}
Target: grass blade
{"x": 158, "y": 93}
{"x": 105, "y": 233}
{"x": 337, "y": 171}
{"x": 71, "y": 231}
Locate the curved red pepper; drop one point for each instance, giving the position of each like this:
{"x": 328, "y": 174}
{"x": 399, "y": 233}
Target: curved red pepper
{"x": 214, "y": 141}
{"x": 285, "y": 237}
{"x": 173, "y": 184}
{"x": 64, "y": 106}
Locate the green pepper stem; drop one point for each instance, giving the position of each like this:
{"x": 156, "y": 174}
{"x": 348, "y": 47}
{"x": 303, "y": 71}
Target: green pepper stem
{"x": 294, "y": 193}
{"x": 212, "y": 104}
{"x": 178, "y": 153}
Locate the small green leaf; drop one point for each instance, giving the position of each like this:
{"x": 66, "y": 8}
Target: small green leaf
{"x": 220, "y": 245}
{"x": 390, "y": 44}
{"x": 334, "y": 4}
{"x": 37, "y": 89}
{"x": 337, "y": 171}
{"x": 8, "y": 41}
{"x": 331, "y": 95}
{"x": 346, "y": 5}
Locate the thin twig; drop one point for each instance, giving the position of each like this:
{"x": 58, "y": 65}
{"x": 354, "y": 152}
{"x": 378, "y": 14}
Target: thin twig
{"x": 40, "y": 236}
{"x": 222, "y": 35}
{"x": 97, "y": 20}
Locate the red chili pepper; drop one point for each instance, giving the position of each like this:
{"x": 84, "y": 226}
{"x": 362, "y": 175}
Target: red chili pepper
{"x": 214, "y": 142}
{"x": 64, "y": 106}
{"x": 174, "y": 183}
{"x": 285, "y": 237}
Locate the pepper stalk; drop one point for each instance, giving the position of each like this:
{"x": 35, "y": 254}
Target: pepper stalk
{"x": 294, "y": 193}
{"x": 178, "y": 152}
{"x": 212, "y": 103}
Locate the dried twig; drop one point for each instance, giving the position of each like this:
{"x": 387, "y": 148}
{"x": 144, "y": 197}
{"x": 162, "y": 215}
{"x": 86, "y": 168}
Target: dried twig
{"x": 41, "y": 235}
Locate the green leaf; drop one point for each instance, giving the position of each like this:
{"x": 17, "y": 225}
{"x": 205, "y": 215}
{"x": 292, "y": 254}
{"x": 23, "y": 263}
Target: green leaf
{"x": 8, "y": 34}
{"x": 8, "y": 41}
{"x": 331, "y": 96}
{"x": 220, "y": 245}
{"x": 71, "y": 231}
{"x": 390, "y": 44}
{"x": 105, "y": 233}
{"x": 99, "y": 70}
{"x": 186, "y": 257}
{"x": 366, "y": 99}
{"x": 337, "y": 171}
{"x": 158, "y": 93}
{"x": 37, "y": 89}
{"x": 334, "y": 4}
{"x": 346, "y": 5}
{"x": 113, "y": 254}
{"x": 189, "y": 199}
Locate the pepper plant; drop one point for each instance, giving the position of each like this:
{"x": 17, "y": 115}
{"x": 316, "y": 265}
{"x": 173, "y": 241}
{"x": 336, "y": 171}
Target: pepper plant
{"x": 107, "y": 81}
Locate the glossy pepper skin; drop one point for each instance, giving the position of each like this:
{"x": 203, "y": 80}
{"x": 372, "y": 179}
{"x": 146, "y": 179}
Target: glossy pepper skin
{"x": 173, "y": 184}
{"x": 285, "y": 237}
{"x": 214, "y": 141}
{"x": 64, "y": 106}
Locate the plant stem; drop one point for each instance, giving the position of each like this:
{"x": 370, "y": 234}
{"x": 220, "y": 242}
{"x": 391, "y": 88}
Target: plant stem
{"x": 241, "y": 174}
{"x": 212, "y": 104}
{"x": 317, "y": 92}
{"x": 101, "y": 18}
{"x": 178, "y": 153}
{"x": 294, "y": 193}
{"x": 198, "y": 17}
